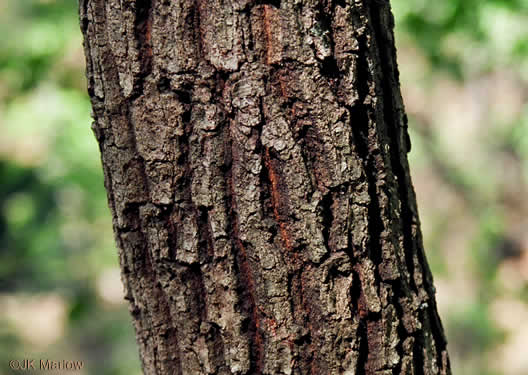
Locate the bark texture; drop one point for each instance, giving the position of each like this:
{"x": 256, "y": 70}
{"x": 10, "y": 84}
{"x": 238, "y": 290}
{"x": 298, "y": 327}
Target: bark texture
{"x": 255, "y": 158}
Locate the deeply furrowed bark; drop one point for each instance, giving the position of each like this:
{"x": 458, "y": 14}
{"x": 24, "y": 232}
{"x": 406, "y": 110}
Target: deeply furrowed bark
{"x": 255, "y": 158}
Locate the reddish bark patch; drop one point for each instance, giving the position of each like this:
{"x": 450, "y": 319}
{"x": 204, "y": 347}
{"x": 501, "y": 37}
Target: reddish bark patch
{"x": 276, "y": 199}
{"x": 272, "y": 32}
{"x": 361, "y": 303}
{"x": 267, "y": 28}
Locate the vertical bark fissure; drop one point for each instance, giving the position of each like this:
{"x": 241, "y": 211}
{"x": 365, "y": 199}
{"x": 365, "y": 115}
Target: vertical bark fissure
{"x": 273, "y": 178}
{"x": 143, "y": 35}
{"x": 327, "y": 216}
{"x": 358, "y": 300}
{"x": 200, "y": 213}
{"x": 402, "y": 333}
{"x": 360, "y": 115}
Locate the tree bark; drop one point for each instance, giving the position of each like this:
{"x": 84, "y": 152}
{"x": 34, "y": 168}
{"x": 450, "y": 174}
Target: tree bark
{"x": 255, "y": 158}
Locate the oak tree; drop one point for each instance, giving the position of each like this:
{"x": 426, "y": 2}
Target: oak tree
{"x": 255, "y": 159}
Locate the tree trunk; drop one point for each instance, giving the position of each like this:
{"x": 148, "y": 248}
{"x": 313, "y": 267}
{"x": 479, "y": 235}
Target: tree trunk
{"x": 255, "y": 158}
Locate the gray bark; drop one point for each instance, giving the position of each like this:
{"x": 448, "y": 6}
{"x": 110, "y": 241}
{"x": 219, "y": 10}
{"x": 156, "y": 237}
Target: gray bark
{"x": 255, "y": 158}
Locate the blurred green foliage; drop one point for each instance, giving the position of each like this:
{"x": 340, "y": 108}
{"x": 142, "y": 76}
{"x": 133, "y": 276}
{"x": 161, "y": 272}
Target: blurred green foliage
{"x": 55, "y": 230}
{"x": 467, "y": 36}
{"x": 472, "y": 42}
